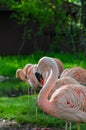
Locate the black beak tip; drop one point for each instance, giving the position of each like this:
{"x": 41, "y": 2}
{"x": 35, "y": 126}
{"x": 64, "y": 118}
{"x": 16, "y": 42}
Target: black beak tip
{"x": 38, "y": 76}
{"x": 26, "y": 77}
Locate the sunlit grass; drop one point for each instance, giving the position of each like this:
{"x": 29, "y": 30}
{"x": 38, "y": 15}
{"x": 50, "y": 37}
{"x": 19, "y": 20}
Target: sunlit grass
{"x": 9, "y": 64}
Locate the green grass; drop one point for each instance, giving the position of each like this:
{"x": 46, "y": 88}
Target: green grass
{"x": 22, "y": 108}
{"x": 9, "y": 64}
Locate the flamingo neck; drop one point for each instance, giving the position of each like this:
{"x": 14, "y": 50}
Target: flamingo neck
{"x": 43, "y": 100}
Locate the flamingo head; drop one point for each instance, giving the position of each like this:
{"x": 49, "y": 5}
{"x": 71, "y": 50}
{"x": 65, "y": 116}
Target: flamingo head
{"x": 20, "y": 74}
{"x": 39, "y": 78}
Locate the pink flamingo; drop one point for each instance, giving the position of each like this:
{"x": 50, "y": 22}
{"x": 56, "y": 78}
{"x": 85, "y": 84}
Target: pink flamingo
{"x": 31, "y": 73}
{"x": 27, "y": 74}
{"x": 29, "y": 70}
{"x": 60, "y": 82}
{"x": 21, "y": 73}
{"x": 78, "y": 73}
{"x": 63, "y": 81}
{"x": 31, "y": 79}
{"x": 60, "y": 65}
{"x": 68, "y": 102}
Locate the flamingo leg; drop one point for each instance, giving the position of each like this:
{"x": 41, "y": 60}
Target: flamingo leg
{"x": 78, "y": 125}
{"x": 66, "y": 125}
{"x": 70, "y": 126}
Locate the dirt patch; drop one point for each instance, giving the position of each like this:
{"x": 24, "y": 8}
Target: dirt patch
{"x": 13, "y": 125}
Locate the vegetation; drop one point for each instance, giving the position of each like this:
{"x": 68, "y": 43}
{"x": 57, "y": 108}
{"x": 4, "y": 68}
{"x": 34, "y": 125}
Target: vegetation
{"x": 13, "y": 87}
{"x": 9, "y": 64}
{"x": 23, "y": 110}
{"x": 63, "y": 22}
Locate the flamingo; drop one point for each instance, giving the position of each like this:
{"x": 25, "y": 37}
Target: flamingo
{"x": 31, "y": 73}
{"x": 60, "y": 82}
{"x": 30, "y": 70}
{"x": 27, "y": 74}
{"x": 64, "y": 72}
{"x": 60, "y": 65}
{"x": 67, "y": 102}
{"x": 78, "y": 73}
{"x": 63, "y": 81}
{"x": 21, "y": 73}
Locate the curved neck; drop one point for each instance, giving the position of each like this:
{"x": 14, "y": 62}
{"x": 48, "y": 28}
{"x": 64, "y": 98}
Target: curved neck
{"x": 43, "y": 101}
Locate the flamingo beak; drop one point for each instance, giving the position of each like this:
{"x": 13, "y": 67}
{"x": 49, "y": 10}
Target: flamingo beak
{"x": 39, "y": 78}
{"x": 26, "y": 77}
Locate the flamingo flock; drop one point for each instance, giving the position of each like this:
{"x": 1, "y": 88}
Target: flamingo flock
{"x": 62, "y": 90}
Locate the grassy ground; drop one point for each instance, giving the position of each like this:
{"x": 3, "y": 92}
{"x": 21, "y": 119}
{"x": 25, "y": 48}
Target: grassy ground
{"x": 23, "y": 108}
{"x": 9, "y": 64}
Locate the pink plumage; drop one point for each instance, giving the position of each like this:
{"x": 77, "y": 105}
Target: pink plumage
{"x": 67, "y": 102}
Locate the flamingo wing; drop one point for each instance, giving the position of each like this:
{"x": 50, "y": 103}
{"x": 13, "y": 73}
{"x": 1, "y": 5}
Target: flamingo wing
{"x": 71, "y": 102}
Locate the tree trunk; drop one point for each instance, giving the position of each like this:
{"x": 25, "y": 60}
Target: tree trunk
{"x": 83, "y": 17}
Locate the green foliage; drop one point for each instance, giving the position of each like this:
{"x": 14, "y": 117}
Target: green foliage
{"x": 78, "y": 2}
{"x": 9, "y": 64}
{"x": 53, "y": 17}
{"x": 45, "y": 12}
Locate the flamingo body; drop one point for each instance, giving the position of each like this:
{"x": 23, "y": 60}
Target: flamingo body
{"x": 67, "y": 102}
{"x": 78, "y": 73}
{"x": 63, "y": 81}
{"x": 71, "y": 103}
